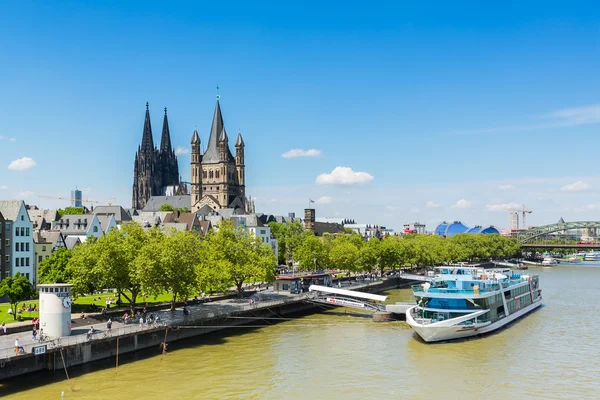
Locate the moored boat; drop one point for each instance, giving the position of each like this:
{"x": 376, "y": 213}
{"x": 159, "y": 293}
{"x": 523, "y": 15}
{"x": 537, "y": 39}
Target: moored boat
{"x": 462, "y": 302}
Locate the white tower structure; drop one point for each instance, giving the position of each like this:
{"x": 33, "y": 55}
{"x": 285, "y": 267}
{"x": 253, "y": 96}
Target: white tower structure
{"x": 55, "y": 309}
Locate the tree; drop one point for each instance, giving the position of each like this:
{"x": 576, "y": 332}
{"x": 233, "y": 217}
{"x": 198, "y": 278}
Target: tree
{"x": 344, "y": 255}
{"x": 239, "y": 256}
{"x": 71, "y": 211}
{"x": 54, "y": 268}
{"x": 166, "y": 207}
{"x": 289, "y": 236}
{"x": 16, "y": 289}
{"x": 168, "y": 263}
{"x": 81, "y": 268}
{"x": 369, "y": 255}
{"x": 312, "y": 253}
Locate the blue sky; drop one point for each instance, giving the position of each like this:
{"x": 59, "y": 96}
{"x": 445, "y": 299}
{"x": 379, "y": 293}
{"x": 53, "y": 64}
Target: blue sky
{"x": 452, "y": 111}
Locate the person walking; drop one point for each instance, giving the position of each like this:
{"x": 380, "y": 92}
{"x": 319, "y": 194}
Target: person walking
{"x": 17, "y": 346}
{"x": 4, "y": 327}
{"x": 109, "y": 326}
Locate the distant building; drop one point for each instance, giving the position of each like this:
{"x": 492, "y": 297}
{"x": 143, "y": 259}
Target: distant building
{"x": 46, "y": 243}
{"x": 3, "y": 244}
{"x": 84, "y": 226}
{"x": 119, "y": 213}
{"x": 76, "y": 198}
{"x": 513, "y": 221}
{"x": 18, "y": 244}
{"x": 415, "y": 227}
{"x": 450, "y": 229}
{"x": 42, "y": 219}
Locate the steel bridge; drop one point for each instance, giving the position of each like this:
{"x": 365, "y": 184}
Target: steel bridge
{"x": 541, "y": 236}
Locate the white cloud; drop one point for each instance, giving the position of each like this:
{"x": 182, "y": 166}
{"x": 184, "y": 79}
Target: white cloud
{"x": 506, "y": 187}
{"x": 578, "y": 186}
{"x": 22, "y": 164}
{"x": 344, "y": 176}
{"x": 462, "y": 204}
{"x": 432, "y": 204}
{"x": 501, "y": 207}
{"x": 12, "y": 139}
{"x": 179, "y": 150}
{"x": 26, "y": 194}
{"x": 301, "y": 153}
{"x": 325, "y": 200}
{"x": 3, "y": 187}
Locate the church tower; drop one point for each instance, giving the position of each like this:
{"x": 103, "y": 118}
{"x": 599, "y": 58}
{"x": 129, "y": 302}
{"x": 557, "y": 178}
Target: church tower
{"x": 221, "y": 178}
{"x": 153, "y": 169}
{"x": 196, "y": 169}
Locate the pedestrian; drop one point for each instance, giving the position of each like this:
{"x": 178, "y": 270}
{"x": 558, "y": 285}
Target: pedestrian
{"x": 141, "y": 321}
{"x": 33, "y": 334}
{"x": 4, "y": 327}
{"x": 17, "y": 346}
{"x": 109, "y": 325}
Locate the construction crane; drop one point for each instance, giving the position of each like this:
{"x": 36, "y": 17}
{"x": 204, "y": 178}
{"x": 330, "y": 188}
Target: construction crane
{"x": 82, "y": 200}
{"x": 524, "y": 212}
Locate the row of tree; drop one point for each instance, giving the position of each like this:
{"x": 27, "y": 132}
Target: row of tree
{"x": 136, "y": 261}
{"x": 350, "y": 252}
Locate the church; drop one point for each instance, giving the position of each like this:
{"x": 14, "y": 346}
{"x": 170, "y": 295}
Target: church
{"x": 217, "y": 174}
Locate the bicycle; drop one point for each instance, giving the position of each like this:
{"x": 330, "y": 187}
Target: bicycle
{"x": 42, "y": 337}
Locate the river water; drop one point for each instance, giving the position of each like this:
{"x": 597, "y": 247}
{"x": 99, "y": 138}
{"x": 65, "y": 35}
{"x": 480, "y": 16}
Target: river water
{"x": 550, "y": 354}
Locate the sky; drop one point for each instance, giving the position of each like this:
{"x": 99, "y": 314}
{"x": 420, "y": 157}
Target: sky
{"x": 388, "y": 113}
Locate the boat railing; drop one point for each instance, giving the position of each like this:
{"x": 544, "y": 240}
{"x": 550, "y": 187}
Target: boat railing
{"x": 420, "y": 289}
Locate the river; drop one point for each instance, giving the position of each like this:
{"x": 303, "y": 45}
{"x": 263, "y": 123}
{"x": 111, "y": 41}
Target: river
{"x": 550, "y": 354}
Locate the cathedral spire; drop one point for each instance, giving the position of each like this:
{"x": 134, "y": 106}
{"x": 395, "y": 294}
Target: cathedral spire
{"x": 165, "y": 141}
{"x": 147, "y": 140}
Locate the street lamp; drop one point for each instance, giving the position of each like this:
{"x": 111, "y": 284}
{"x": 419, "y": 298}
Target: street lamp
{"x": 315, "y": 261}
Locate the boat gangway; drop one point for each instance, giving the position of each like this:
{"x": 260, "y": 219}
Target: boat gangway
{"x": 346, "y": 298}
{"x": 415, "y": 277}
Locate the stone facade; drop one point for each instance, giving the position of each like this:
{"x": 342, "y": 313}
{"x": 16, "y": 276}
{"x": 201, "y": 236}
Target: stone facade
{"x": 154, "y": 169}
{"x": 218, "y": 177}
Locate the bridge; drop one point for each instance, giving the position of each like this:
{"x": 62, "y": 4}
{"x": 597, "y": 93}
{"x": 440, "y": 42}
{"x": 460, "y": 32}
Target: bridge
{"x": 560, "y": 235}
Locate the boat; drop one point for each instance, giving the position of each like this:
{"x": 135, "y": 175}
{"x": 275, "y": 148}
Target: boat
{"x": 573, "y": 260}
{"x": 592, "y": 256}
{"x": 462, "y": 302}
{"x": 549, "y": 261}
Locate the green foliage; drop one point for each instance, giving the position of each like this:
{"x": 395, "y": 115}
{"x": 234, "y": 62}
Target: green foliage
{"x": 71, "y": 211}
{"x": 54, "y": 268}
{"x": 169, "y": 207}
{"x": 289, "y": 237}
{"x": 167, "y": 263}
{"x": 17, "y": 289}
{"x": 234, "y": 257}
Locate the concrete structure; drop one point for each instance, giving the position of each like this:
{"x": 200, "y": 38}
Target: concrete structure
{"x": 513, "y": 221}
{"x": 55, "y": 309}
{"x": 3, "y": 257}
{"x": 218, "y": 178}
{"x": 76, "y": 198}
{"x": 18, "y": 244}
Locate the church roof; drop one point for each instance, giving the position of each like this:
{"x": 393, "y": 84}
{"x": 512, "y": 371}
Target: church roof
{"x": 561, "y": 221}
{"x": 154, "y": 202}
{"x": 147, "y": 140}
{"x": 211, "y": 155}
{"x": 195, "y": 137}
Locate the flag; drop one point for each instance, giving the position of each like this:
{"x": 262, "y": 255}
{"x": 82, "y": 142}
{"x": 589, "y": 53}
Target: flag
{"x": 311, "y": 201}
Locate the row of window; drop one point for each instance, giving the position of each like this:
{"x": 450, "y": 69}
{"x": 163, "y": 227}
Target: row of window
{"x": 20, "y": 246}
{"x": 22, "y": 262}
{"x": 55, "y": 290}
{"x": 23, "y": 231}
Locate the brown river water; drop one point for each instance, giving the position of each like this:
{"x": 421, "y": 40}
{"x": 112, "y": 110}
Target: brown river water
{"x": 552, "y": 353}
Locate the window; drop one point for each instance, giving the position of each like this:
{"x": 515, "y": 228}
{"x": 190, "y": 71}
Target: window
{"x": 95, "y": 229}
{"x": 7, "y": 258}
{"x": 22, "y": 218}
{"x": 27, "y": 275}
{"x": 16, "y": 246}
{"x": 17, "y": 261}
{"x": 22, "y": 246}
{"x": 17, "y": 232}
{"x": 26, "y": 231}
{"x": 262, "y": 231}
{"x": 43, "y": 248}
{"x": 22, "y": 231}
{"x": 27, "y": 261}
{"x": 39, "y": 258}
{"x": 6, "y": 244}
{"x": 27, "y": 246}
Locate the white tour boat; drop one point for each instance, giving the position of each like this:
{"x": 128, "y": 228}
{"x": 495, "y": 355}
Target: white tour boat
{"x": 468, "y": 301}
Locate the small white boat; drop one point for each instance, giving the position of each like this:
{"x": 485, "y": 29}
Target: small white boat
{"x": 592, "y": 256}
{"x": 573, "y": 260}
{"x": 549, "y": 261}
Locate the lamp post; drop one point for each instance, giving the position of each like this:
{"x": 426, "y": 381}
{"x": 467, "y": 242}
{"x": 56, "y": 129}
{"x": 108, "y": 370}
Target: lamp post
{"x": 315, "y": 261}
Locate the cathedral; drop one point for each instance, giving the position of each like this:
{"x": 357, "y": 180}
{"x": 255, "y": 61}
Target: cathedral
{"x": 218, "y": 177}
{"x": 154, "y": 170}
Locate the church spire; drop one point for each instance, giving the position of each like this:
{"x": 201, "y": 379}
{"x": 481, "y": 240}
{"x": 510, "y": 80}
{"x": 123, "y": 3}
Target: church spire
{"x": 147, "y": 140}
{"x": 165, "y": 141}
{"x": 212, "y": 149}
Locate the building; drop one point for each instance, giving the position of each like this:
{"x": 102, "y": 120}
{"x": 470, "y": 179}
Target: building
{"x": 76, "y": 198}
{"x": 218, "y": 178}
{"x": 84, "y": 226}
{"x": 46, "y": 243}
{"x": 252, "y": 224}
{"x": 3, "y": 257}
{"x": 513, "y": 221}
{"x": 42, "y": 219}
{"x": 415, "y": 227}
{"x": 450, "y": 229}
{"x": 154, "y": 169}
{"x": 18, "y": 244}
{"x": 177, "y": 202}
{"x": 119, "y": 213}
